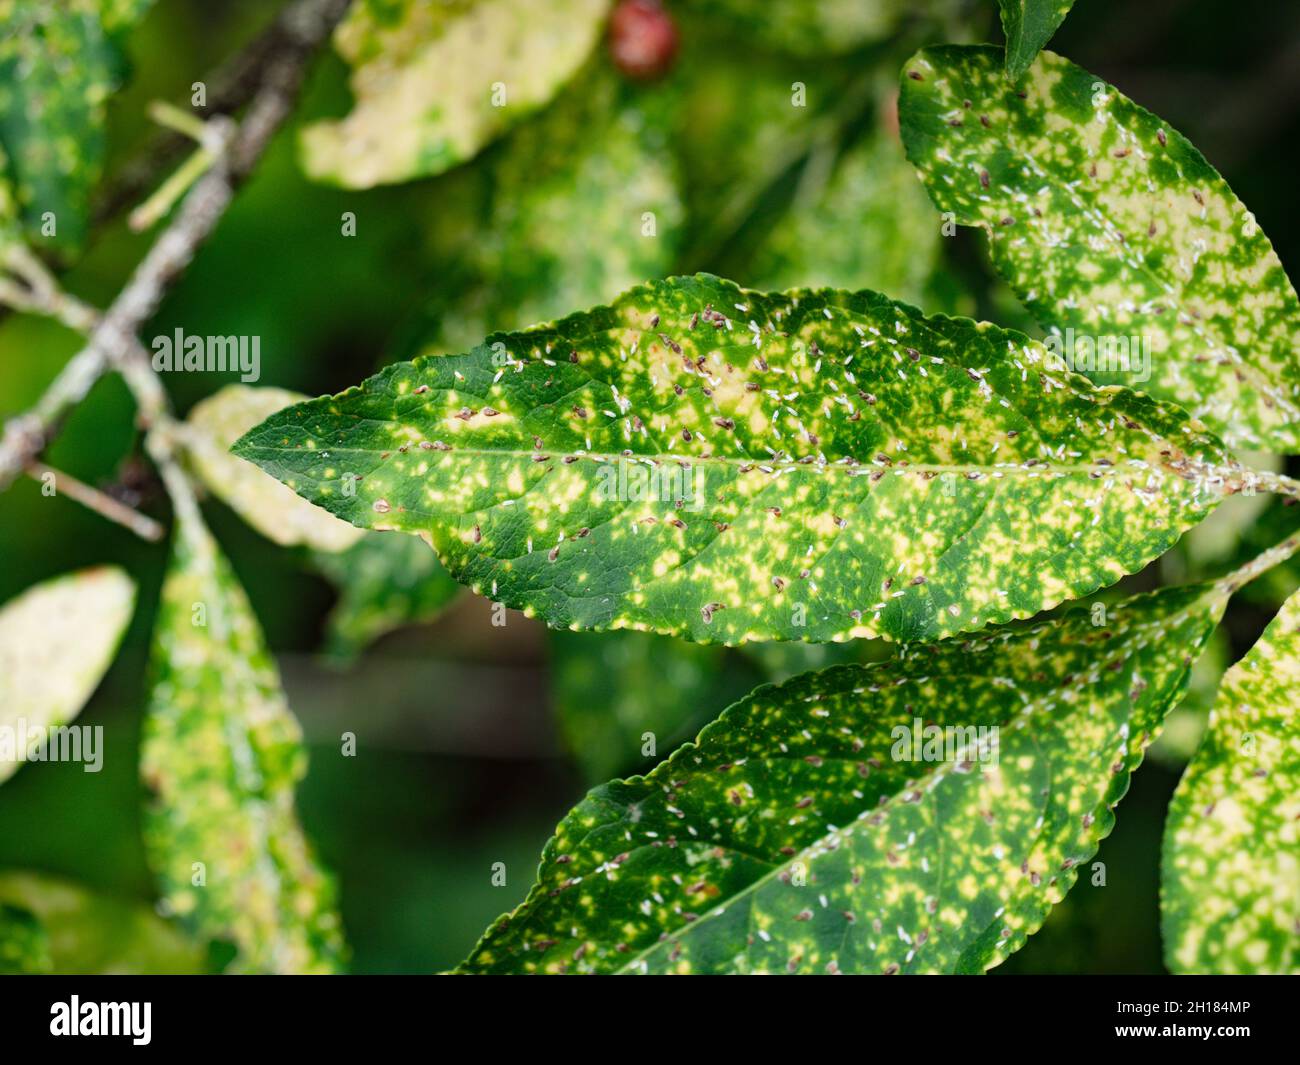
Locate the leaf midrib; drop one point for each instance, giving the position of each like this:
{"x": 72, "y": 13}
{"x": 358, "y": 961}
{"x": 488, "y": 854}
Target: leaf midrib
{"x": 754, "y": 885}
{"x": 857, "y": 469}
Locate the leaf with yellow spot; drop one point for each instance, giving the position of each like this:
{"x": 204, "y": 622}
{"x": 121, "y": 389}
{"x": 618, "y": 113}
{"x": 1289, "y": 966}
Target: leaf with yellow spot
{"x": 1028, "y": 25}
{"x": 434, "y": 83}
{"x": 1118, "y": 235}
{"x": 918, "y": 815}
{"x": 1230, "y": 891}
{"x": 57, "y": 640}
{"x": 277, "y": 513}
{"x": 221, "y": 756}
{"x": 59, "y": 62}
{"x": 384, "y": 582}
{"x": 704, "y": 461}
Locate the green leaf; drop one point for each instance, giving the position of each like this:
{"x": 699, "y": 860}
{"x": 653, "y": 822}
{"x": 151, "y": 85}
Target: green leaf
{"x": 57, "y": 640}
{"x": 435, "y": 82}
{"x": 1230, "y": 891}
{"x": 385, "y": 582}
{"x": 24, "y": 943}
{"x": 624, "y": 700}
{"x": 217, "y": 422}
{"x": 891, "y": 245}
{"x": 742, "y": 120}
{"x": 810, "y": 27}
{"x": 91, "y": 934}
{"x": 10, "y": 232}
{"x": 221, "y": 757}
{"x": 596, "y": 162}
{"x": 1110, "y": 224}
{"x": 1029, "y": 25}
{"x": 798, "y": 835}
{"x": 59, "y": 62}
{"x": 826, "y": 465}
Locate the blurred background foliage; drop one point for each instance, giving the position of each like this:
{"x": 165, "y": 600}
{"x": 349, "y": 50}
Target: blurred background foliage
{"x": 473, "y": 737}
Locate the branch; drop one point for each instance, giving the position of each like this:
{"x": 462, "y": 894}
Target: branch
{"x": 1260, "y": 564}
{"x": 1278, "y": 483}
{"x": 107, "y": 506}
{"x": 113, "y": 343}
{"x": 230, "y": 87}
{"x": 36, "y": 291}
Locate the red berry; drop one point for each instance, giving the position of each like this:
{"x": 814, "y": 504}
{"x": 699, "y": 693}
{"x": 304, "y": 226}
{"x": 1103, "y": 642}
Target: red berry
{"x": 642, "y": 38}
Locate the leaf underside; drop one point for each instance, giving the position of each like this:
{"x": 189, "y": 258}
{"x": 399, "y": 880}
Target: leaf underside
{"x": 1230, "y": 890}
{"x": 57, "y": 641}
{"x": 789, "y": 838}
{"x": 221, "y": 757}
{"x": 435, "y": 82}
{"x": 724, "y": 465}
{"x": 1108, "y": 223}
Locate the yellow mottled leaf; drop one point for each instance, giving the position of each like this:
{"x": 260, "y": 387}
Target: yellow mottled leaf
{"x": 221, "y": 756}
{"x": 56, "y": 642}
{"x": 1231, "y": 881}
{"x": 1115, "y": 232}
{"x": 435, "y": 82}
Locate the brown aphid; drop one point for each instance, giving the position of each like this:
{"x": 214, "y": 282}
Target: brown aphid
{"x": 709, "y": 609}
{"x": 676, "y": 348}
